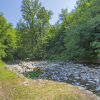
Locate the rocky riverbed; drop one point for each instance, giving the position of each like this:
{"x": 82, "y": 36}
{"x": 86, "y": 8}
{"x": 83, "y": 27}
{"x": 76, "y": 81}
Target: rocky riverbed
{"x": 69, "y": 72}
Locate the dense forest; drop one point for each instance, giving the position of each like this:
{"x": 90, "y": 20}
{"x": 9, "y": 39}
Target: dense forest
{"x": 75, "y": 36}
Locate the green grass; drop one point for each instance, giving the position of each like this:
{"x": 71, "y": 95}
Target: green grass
{"x": 15, "y": 87}
{"x": 5, "y": 75}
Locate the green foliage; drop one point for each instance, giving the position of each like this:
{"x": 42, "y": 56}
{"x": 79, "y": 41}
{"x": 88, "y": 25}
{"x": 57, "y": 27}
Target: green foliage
{"x": 96, "y": 46}
{"x": 75, "y": 36}
{"x": 2, "y": 52}
{"x": 76, "y": 32}
{"x": 33, "y": 31}
{"x": 7, "y": 39}
{"x": 35, "y": 73}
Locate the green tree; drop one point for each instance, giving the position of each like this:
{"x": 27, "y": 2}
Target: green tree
{"x": 32, "y": 29}
{"x": 7, "y": 39}
{"x": 83, "y": 30}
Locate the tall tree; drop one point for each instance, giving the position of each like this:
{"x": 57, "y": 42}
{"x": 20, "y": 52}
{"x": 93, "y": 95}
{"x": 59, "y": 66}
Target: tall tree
{"x": 32, "y": 29}
{"x": 7, "y": 39}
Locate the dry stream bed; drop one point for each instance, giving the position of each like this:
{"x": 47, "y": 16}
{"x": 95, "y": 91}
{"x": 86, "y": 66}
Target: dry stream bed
{"x": 60, "y": 71}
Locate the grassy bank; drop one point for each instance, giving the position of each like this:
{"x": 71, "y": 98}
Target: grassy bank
{"x": 15, "y": 87}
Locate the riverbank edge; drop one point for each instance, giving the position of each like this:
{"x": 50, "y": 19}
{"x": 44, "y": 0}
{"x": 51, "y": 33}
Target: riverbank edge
{"x": 87, "y": 92}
